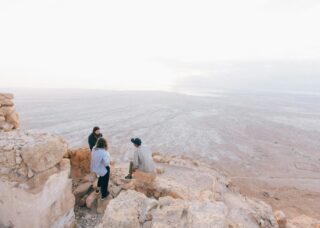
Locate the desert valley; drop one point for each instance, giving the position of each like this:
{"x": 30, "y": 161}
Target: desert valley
{"x": 262, "y": 146}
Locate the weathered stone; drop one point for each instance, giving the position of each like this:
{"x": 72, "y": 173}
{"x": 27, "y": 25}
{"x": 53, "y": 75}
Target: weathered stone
{"x": 102, "y": 204}
{"x": 9, "y": 118}
{"x": 124, "y": 211}
{"x": 6, "y": 96}
{"x": 80, "y": 162}
{"x": 81, "y": 190}
{"x": 281, "y": 218}
{"x": 6, "y": 102}
{"x": 6, "y": 126}
{"x": 44, "y": 154}
{"x": 44, "y": 199}
{"x": 207, "y": 214}
{"x": 160, "y": 170}
{"x": 91, "y": 199}
{"x": 30, "y": 173}
{"x": 145, "y": 213}
{"x": 13, "y": 119}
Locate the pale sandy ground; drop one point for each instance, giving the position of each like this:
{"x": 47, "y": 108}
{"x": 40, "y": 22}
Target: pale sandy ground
{"x": 268, "y": 143}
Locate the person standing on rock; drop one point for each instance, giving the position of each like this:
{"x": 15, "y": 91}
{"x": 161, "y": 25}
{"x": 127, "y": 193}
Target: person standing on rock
{"x": 142, "y": 159}
{"x": 93, "y": 137}
{"x": 100, "y": 164}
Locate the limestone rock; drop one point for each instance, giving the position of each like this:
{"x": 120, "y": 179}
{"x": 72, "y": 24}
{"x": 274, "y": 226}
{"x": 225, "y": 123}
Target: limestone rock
{"x": 6, "y": 96}
{"x": 81, "y": 190}
{"x": 33, "y": 199}
{"x": 281, "y": 218}
{"x": 160, "y": 170}
{"x": 102, "y": 204}
{"x": 170, "y": 213}
{"x": 303, "y": 221}
{"x": 80, "y": 162}
{"x": 9, "y": 118}
{"x": 13, "y": 118}
{"x": 45, "y": 154}
{"x": 91, "y": 199}
{"x": 124, "y": 210}
{"x": 207, "y": 214}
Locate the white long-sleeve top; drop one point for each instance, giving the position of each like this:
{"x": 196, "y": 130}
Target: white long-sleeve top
{"x": 142, "y": 160}
{"x": 100, "y": 159}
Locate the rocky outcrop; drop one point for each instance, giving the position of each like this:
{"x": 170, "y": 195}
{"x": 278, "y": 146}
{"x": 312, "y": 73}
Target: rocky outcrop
{"x": 36, "y": 190}
{"x": 9, "y": 118}
{"x": 187, "y": 194}
{"x": 80, "y": 162}
{"x": 190, "y": 195}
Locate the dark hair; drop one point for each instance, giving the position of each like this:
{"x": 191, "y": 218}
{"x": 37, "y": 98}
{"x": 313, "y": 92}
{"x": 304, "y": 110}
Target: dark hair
{"x": 136, "y": 141}
{"x": 95, "y": 128}
{"x": 102, "y": 143}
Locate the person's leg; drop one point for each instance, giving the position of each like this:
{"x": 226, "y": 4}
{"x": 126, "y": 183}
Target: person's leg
{"x": 98, "y": 185}
{"x": 104, "y": 188}
{"x": 107, "y": 179}
{"x": 129, "y": 176}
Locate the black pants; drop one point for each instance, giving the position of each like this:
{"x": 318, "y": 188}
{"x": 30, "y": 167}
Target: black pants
{"x": 103, "y": 183}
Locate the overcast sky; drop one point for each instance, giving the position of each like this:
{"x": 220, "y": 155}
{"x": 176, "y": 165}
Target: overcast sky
{"x": 140, "y": 44}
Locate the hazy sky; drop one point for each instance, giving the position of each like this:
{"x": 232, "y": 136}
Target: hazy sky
{"x": 132, "y": 44}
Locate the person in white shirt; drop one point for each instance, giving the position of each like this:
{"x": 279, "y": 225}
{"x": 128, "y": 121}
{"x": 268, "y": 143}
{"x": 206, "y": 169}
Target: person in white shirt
{"x": 100, "y": 164}
{"x": 142, "y": 159}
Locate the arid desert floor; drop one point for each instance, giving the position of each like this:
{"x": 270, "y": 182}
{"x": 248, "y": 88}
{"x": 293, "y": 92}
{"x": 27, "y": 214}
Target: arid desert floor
{"x": 269, "y": 144}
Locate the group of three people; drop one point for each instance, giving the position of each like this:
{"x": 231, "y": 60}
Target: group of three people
{"x": 100, "y": 160}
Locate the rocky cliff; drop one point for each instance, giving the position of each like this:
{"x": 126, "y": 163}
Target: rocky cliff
{"x": 34, "y": 181}
{"x": 185, "y": 193}
{"x": 37, "y": 191}
{"x": 9, "y": 118}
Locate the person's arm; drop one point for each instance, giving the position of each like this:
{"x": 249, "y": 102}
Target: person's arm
{"x": 90, "y": 142}
{"x": 105, "y": 159}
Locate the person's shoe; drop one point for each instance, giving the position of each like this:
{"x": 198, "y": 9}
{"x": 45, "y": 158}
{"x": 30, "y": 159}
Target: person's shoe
{"x": 128, "y": 177}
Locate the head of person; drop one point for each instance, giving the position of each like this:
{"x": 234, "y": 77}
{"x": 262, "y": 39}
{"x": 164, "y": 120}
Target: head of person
{"x": 136, "y": 142}
{"x": 102, "y": 144}
{"x": 96, "y": 130}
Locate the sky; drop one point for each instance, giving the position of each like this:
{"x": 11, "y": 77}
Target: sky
{"x": 156, "y": 45}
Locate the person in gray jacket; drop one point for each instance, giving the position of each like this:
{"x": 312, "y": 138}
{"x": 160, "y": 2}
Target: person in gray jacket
{"x": 142, "y": 159}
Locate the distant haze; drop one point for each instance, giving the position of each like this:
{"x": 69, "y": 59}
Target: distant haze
{"x": 163, "y": 45}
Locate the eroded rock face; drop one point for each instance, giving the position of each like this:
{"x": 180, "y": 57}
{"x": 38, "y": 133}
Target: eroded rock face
{"x": 9, "y": 118}
{"x": 130, "y": 209}
{"x": 36, "y": 190}
{"x": 80, "y": 162}
{"x": 186, "y": 195}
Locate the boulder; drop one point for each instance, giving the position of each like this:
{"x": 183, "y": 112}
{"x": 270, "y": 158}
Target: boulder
{"x": 33, "y": 199}
{"x": 281, "y": 218}
{"x": 91, "y": 199}
{"x": 160, "y": 170}
{"x": 170, "y": 213}
{"x": 41, "y": 155}
{"x": 124, "y": 211}
{"x": 80, "y": 162}
{"x": 81, "y": 190}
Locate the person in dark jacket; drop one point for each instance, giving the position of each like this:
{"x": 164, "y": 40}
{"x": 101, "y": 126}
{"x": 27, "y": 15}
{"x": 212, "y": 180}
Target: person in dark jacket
{"x": 93, "y": 137}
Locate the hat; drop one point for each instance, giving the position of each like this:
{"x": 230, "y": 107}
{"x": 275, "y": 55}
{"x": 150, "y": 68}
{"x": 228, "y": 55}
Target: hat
{"x": 136, "y": 141}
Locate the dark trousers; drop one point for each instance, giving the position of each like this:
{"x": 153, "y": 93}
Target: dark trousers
{"x": 131, "y": 168}
{"x": 103, "y": 183}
